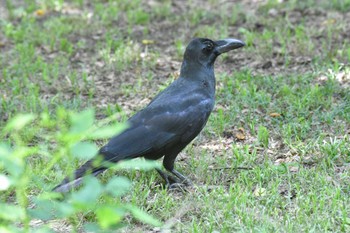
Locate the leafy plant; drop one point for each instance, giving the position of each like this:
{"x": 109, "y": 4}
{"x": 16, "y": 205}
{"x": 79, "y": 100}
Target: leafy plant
{"x": 59, "y": 141}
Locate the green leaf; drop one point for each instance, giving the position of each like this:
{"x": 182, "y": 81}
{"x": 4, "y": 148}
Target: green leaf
{"x": 5, "y": 150}
{"x": 118, "y": 186}
{"x": 91, "y": 227}
{"x": 19, "y": 121}
{"x": 43, "y": 229}
{"x": 140, "y": 164}
{"x": 46, "y": 209}
{"x": 11, "y": 212}
{"x": 143, "y": 216}
{"x": 12, "y": 160}
{"x": 64, "y": 209}
{"x": 9, "y": 229}
{"x": 84, "y": 150}
{"x": 89, "y": 193}
{"x": 42, "y": 210}
{"x": 108, "y": 131}
{"x": 80, "y": 122}
{"x": 108, "y": 216}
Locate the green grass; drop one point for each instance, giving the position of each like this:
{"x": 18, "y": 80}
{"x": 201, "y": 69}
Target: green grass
{"x": 274, "y": 155}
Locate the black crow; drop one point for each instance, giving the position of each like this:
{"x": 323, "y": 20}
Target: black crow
{"x": 170, "y": 121}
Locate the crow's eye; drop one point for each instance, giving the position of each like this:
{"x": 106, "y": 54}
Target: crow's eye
{"x": 209, "y": 46}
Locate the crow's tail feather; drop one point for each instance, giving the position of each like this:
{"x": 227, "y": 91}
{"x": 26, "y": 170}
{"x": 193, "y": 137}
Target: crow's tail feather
{"x": 71, "y": 182}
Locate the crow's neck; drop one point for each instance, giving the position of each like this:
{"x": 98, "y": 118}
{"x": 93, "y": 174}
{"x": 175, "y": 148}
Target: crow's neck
{"x": 198, "y": 72}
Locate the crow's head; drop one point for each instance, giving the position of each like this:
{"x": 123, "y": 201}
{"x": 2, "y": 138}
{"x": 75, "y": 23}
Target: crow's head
{"x": 205, "y": 51}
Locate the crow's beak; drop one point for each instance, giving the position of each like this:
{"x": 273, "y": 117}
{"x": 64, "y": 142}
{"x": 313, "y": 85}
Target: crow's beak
{"x": 223, "y": 46}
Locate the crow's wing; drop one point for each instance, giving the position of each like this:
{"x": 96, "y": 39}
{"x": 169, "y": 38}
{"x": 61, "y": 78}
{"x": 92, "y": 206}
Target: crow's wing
{"x": 153, "y": 130}
{"x": 159, "y": 126}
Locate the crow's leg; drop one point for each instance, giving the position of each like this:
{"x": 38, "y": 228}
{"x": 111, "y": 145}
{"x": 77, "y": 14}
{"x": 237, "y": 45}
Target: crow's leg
{"x": 168, "y": 179}
{"x": 168, "y": 164}
{"x": 183, "y": 178}
{"x": 172, "y": 182}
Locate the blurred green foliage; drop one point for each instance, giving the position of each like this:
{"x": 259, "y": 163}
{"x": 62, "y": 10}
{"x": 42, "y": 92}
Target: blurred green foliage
{"x": 30, "y": 140}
